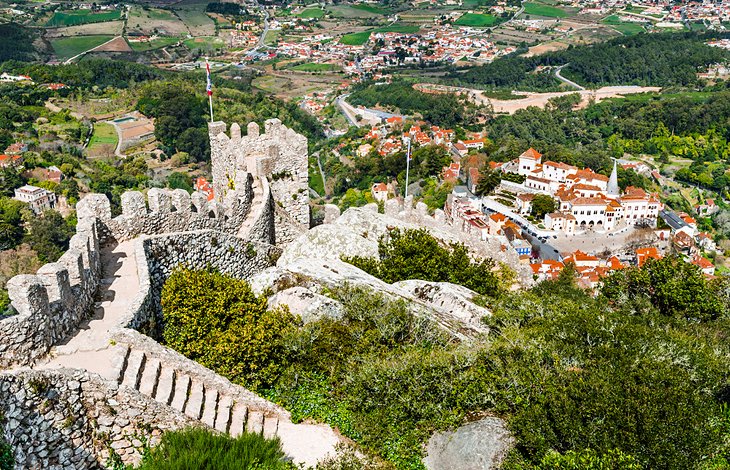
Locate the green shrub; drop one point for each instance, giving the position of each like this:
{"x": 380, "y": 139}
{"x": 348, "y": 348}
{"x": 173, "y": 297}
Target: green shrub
{"x": 195, "y": 449}
{"x": 219, "y": 322}
{"x": 7, "y": 462}
{"x": 415, "y": 254}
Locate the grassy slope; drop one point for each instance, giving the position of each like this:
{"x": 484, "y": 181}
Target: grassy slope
{"x": 69, "y": 47}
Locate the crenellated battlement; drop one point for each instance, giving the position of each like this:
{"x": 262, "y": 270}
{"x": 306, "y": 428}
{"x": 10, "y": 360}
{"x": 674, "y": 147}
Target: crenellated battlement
{"x": 52, "y": 302}
{"x": 279, "y": 154}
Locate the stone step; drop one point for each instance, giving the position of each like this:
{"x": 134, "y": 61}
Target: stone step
{"x": 238, "y": 419}
{"x": 119, "y": 364}
{"x": 150, "y": 377}
{"x": 180, "y": 397}
{"x": 165, "y": 386}
{"x": 255, "y": 422}
{"x": 134, "y": 369}
{"x": 223, "y": 419}
{"x": 271, "y": 426}
{"x": 194, "y": 408}
{"x": 210, "y": 408}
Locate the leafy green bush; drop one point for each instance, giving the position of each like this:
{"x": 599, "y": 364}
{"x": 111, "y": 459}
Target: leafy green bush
{"x": 415, "y": 254}
{"x": 7, "y": 462}
{"x": 670, "y": 285}
{"x": 195, "y": 449}
{"x": 219, "y": 322}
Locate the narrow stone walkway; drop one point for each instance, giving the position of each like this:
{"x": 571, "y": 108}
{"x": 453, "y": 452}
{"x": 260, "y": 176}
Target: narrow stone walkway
{"x": 90, "y": 348}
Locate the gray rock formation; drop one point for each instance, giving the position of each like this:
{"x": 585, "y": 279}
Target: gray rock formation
{"x": 480, "y": 445}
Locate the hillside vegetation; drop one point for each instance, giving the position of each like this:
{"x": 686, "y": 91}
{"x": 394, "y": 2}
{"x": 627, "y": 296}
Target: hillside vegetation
{"x": 668, "y": 59}
{"x": 633, "y": 378}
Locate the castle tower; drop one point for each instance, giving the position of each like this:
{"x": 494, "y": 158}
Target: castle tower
{"x": 279, "y": 155}
{"x": 613, "y": 189}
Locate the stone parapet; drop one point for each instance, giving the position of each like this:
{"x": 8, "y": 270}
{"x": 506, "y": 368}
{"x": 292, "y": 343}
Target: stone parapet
{"x": 52, "y": 303}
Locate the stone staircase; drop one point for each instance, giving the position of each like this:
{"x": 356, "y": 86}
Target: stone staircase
{"x": 255, "y": 210}
{"x": 216, "y": 407}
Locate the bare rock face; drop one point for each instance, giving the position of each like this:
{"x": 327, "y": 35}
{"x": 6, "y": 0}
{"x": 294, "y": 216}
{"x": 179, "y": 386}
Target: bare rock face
{"x": 309, "y": 305}
{"x": 480, "y": 445}
{"x": 317, "y": 274}
{"x": 455, "y": 299}
{"x": 328, "y": 242}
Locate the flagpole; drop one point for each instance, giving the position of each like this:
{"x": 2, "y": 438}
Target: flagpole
{"x": 209, "y": 88}
{"x": 408, "y": 164}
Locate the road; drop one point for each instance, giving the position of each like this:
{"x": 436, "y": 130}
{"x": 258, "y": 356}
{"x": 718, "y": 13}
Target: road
{"x": 346, "y": 109}
{"x": 565, "y": 80}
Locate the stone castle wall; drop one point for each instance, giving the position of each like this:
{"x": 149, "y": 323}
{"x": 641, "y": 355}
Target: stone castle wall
{"x": 167, "y": 211}
{"x": 52, "y": 302}
{"x": 278, "y": 154}
{"x": 74, "y": 419}
{"x": 70, "y": 419}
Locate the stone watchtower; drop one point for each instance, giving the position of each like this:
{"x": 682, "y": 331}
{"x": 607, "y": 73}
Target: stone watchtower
{"x": 278, "y": 155}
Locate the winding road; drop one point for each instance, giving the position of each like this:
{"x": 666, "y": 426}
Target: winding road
{"x": 565, "y": 80}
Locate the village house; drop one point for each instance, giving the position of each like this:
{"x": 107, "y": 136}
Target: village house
{"x": 38, "y": 199}
{"x": 379, "y": 192}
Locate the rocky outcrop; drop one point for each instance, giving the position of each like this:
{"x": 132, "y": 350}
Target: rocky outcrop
{"x": 455, "y": 299}
{"x": 480, "y": 445}
{"x": 357, "y": 231}
{"x": 309, "y": 305}
{"x": 318, "y": 275}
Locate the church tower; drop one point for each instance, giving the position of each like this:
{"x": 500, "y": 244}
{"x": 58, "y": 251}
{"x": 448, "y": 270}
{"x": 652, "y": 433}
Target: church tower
{"x": 613, "y": 189}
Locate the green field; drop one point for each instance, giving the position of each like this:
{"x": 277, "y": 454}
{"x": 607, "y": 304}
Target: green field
{"x": 104, "y": 134}
{"x": 476, "y": 19}
{"x": 154, "y": 44}
{"x": 313, "y": 67}
{"x": 69, "y": 47}
{"x": 624, "y": 27}
{"x": 192, "y": 13}
{"x": 538, "y": 9}
{"x": 211, "y": 42}
{"x": 311, "y": 13}
{"x": 77, "y": 17}
{"x": 358, "y": 39}
{"x": 634, "y": 9}
{"x": 372, "y": 9}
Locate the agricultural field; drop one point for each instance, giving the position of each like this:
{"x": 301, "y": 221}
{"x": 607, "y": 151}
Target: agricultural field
{"x": 626, "y": 28}
{"x": 358, "y": 39}
{"x": 205, "y": 43}
{"x": 476, "y": 19}
{"x": 192, "y": 13}
{"x": 314, "y": 67}
{"x": 311, "y": 13}
{"x": 77, "y": 17}
{"x": 349, "y": 12}
{"x": 372, "y": 9}
{"x": 540, "y": 9}
{"x": 66, "y": 48}
{"x": 90, "y": 29}
{"x": 149, "y": 21}
{"x": 103, "y": 140}
{"x": 154, "y": 44}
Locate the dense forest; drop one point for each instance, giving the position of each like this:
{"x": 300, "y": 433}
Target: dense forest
{"x": 668, "y": 59}
{"x": 21, "y": 43}
{"x": 633, "y": 378}
{"x": 446, "y": 110}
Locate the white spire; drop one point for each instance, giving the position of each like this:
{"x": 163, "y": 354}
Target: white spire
{"x": 613, "y": 189}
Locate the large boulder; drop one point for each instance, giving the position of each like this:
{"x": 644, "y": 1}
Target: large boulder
{"x": 457, "y": 300}
{"x": 309, "y": 305}
{"x": 480, "y": 445}
{"x": 328, "y": 241}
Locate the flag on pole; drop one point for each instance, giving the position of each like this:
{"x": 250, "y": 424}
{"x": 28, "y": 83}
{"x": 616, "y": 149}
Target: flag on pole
{"x": 209, "y": 86}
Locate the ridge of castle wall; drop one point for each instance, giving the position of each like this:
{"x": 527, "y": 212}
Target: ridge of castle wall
{"x": 52, "y": 302}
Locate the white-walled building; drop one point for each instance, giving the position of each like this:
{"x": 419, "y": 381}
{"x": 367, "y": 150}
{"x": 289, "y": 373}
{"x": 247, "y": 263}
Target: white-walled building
{"x": 38, "y": 199}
